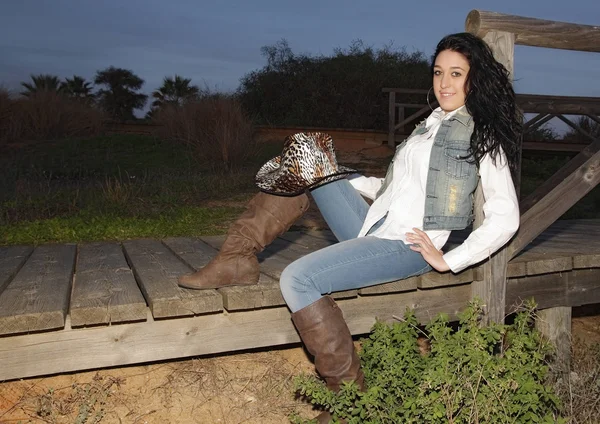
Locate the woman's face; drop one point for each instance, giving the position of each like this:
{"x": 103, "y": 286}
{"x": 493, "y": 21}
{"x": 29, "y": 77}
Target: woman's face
{"x": 449, "y": 75}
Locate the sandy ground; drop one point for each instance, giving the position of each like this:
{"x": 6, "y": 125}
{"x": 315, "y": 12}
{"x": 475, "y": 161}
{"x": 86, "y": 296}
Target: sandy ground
{"x": 247, "y": 388}
{"x": 240, "y": 388}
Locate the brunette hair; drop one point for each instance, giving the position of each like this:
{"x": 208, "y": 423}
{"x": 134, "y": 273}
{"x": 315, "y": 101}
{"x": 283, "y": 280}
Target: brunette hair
{"x": 490, "y": 99}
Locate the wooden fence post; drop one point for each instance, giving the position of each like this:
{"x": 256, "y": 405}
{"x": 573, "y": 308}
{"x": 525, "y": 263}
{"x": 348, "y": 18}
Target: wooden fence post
{"x": 555, "y": 324}
{"x": 491, "y": 288}
{"x": 392, "y": 119}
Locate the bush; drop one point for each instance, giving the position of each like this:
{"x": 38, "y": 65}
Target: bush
{"x": 215, "y": 128}
{"x": 338, "y": 91}
{"x": 473, "y": 374}
{"x": 46, "y": 115}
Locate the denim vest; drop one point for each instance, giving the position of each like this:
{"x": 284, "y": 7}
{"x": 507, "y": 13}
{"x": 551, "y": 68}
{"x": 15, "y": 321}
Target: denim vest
{"x": 451, "y": 180}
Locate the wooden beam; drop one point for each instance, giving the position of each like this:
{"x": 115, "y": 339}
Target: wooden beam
{"x": 559, "y": 176}
{"x": 416, "y": 114}
{"x": 555, "y": 325}
{"x": 568, "y": 105}
{"x": 576, "y": 127}
{"x": 392, "y": 119}
{"x": 492, "y": 289}
{"x": 560, "y": 199}
{"x": 534, "y": 120}
{"x": 535, "y": 32}
{"x": 96, "y": 347}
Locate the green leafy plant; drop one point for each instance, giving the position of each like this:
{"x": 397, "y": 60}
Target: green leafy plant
{"x": 471, "y": 374}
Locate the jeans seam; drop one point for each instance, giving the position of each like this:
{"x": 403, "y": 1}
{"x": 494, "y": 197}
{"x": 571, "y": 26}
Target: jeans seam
{"x": 345, "y": 194}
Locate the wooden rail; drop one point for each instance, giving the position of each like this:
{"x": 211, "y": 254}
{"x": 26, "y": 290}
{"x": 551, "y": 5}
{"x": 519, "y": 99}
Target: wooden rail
{"x": 545, "y": 106}
{"x": 535, "y": 32}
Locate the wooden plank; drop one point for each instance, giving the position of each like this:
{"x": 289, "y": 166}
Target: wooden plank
{"x": 437, "y": 279}
{"x": 12, "y": 259}
{"x": 117, "y": 345}
{"x": 399, "y": 286}
{"x": 197, "y": 254}
{"x": 516, "y": 268}
{"x": 323, "y": 234}
{"x": 559, "y": 176}
{"x": 548, "y": 290}
{"x": 586, "y": 261}
{"x": 539, "y": 217}
{"x": 310, "y": 240}
{"x": 541, "y": 263}
{"x": 156, "y": 269}
{"x": 266, "y": 293}
{"x": 38, "y": 297}
{"x": 104, "y": 289}
{"x": 583, "y": 287}
{"x": 536, "y": 32}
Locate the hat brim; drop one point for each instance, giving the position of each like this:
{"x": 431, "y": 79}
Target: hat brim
{"x": 276, "y": 189}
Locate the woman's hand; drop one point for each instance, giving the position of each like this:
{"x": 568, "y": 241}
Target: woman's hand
{"x": 420, "y": 242}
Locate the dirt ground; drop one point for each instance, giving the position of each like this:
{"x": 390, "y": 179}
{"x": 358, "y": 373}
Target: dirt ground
{"x": 251, "y": 387}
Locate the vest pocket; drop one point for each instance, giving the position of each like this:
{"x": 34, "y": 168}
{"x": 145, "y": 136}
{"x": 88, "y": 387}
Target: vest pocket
{"x": 457, "y": 157}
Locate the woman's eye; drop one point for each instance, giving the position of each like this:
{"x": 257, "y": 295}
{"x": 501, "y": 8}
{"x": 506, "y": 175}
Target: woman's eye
{"x": 456, "y": 74}
{"x": 437, "y": 73}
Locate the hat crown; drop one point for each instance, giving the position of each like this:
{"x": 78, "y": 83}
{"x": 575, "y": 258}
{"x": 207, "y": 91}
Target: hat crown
{"x": 307, "y": 160}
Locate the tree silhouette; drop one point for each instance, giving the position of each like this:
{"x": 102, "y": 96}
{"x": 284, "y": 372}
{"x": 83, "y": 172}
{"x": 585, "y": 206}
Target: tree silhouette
{"x": 341, "y": 90}
{"x": 121, "y": 96}
{"x": 77, "y": 87}
{"x": 174, "y": 91}
{"x": 41, "y": 82}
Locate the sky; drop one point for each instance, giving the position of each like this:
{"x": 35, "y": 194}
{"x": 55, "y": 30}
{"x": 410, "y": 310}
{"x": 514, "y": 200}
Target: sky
{"x": 217, "y": 43}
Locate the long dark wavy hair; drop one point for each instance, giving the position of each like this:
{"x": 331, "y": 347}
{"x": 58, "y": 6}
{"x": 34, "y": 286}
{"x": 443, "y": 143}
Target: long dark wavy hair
{"x": 490, "y": 99}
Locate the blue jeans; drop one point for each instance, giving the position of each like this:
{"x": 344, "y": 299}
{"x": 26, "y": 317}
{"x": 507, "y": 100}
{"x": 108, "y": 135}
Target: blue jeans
{"x": 353, "y": 262}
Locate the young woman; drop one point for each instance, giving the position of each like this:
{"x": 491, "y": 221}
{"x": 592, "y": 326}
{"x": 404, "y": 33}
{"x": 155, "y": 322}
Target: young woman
{"x": 473, "y": 136}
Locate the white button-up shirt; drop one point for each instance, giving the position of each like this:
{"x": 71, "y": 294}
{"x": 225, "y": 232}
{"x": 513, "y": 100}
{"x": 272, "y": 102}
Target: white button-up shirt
{"x": 403, "y": 202}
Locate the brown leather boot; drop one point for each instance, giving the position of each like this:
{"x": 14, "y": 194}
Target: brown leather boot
{"x": 326, "y": 336}
{"x": 266, "y": 217}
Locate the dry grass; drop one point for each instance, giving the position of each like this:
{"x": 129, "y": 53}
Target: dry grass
{"x": 244, "y": 388}
{"x": 215, "y": 128}
{"x": 46, "y": 115}
{"x": 580, "y": 390}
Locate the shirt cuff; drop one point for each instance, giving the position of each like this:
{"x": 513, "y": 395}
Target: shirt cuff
{"x": 458, "y": 258}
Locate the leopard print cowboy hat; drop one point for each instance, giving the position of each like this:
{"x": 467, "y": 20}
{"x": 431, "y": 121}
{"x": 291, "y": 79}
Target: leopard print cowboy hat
{"x": 307, "y": 161}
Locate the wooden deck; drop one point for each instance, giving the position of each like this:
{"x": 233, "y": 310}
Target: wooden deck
{"x": 72, "y": 307}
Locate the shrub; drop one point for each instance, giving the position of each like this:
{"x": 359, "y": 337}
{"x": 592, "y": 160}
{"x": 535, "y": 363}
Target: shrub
{"x": 46, "y": 115}
{"x": 342, "y": 90}
{"x": 215, "y": 128}
{"x": 472, "y": 374}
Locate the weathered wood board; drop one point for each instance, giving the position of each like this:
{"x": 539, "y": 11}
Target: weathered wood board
{"x": 156, "y": 269}
{"x": 104, "y": 288}
{"x": 37, "y": 298}
{"x": 12, "y": 259}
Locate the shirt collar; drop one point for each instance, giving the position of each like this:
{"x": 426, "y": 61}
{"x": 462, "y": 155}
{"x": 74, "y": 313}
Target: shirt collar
{"x": 461, "y": 115}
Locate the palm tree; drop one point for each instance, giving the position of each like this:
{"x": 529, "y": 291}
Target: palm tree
{"x": 77, "y": 87}
{"x": 121, "y": 96}
{"x": 174, "y": 91}
{"x": 41, "y": 82}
